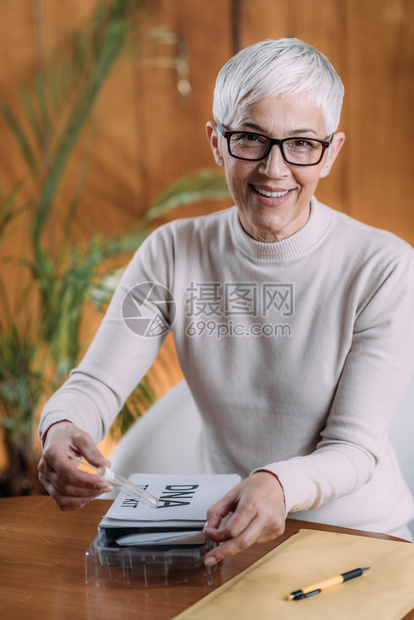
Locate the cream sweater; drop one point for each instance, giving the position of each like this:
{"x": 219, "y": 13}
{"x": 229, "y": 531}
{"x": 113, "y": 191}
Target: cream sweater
{"x": 298, "y": 354}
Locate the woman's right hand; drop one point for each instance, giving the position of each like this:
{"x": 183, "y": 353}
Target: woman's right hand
{"x": 69, "y": 487}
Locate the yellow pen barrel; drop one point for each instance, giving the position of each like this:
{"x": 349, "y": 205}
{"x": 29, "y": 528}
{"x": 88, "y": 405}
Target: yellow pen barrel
{"x": 326, "y": 583}
{"x": 315, "y": 588}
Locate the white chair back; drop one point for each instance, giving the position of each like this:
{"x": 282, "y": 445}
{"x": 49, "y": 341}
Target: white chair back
{"x": 164, "y": 440}
{"x": 402, "y": 438}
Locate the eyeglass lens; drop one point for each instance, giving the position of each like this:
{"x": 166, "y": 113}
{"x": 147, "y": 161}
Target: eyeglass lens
{"x": 295, "y": 151}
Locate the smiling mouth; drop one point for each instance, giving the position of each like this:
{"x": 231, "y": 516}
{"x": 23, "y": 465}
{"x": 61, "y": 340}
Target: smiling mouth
{"x": 268, "y": 194}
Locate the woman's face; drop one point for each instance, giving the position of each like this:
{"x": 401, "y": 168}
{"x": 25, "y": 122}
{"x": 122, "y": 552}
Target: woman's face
{"x": 273, "y": 197}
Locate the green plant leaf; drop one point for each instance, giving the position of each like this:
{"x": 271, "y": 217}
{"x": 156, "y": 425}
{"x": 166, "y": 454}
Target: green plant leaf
{"x": 43, "y": 106}
{"x": 205, "y": 184}
{"x": 8, "y": 209}
{"x": 31, "y": 115}
{"x": 136, "y": 405}
{"x": 20, "y": 136}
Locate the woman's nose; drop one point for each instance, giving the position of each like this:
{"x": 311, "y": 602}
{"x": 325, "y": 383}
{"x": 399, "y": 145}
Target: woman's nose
{"x": 274, "y": 165}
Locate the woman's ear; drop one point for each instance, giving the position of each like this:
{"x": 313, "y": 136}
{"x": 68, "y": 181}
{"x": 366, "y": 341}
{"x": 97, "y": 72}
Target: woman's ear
{"x": 337, "y": 143}
{"x": 213, "y": 138}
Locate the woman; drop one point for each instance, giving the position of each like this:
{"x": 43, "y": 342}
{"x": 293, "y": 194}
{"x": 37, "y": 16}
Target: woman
{"x": 292, "y": 322}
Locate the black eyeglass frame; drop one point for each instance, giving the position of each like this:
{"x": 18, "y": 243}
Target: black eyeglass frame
{"x": 274, "y": 141}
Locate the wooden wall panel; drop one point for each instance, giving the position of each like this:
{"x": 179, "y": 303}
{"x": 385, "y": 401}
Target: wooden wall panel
{"x": 110, "y": 198}
{"x": 109, "y": 156}
{"x": 57, "y": 20}
{"x": 17, "y": 51}
{"x": 381, "y": 132}
{"x": 172, "y": 137}
{"x": 263, "y": 20}
{"x": 145, "y": 134}
{"x": 107, "y": 159}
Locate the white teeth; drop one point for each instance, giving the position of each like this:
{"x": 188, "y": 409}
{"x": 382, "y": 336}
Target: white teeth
{"x": 271, "y": 194}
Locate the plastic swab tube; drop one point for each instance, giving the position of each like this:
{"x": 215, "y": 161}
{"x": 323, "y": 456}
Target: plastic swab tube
{"x": 107, "y": 474}
{"x": 119, "y": 481}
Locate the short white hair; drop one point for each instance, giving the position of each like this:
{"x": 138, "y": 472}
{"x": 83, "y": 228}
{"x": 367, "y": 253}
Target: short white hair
{"x": 278, "y": 68}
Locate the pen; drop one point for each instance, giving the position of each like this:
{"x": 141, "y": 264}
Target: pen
{"x": 107, "y": 474}
{"x": 316, "y": 588}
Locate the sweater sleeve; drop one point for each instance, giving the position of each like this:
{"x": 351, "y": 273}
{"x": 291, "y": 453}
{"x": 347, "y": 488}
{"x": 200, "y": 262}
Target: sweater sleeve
{"x": 374, "y": 380}
{"x": 118, "y": 356}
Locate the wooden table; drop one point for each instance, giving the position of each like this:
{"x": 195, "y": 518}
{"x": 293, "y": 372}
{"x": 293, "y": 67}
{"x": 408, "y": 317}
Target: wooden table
{"x": 42, "y": 567}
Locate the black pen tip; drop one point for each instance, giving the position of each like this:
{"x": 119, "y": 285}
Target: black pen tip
{"x": 366, "y": 568}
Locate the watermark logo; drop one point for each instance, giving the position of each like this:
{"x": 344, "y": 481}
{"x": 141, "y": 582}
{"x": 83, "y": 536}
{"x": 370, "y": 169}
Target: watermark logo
{"x": 215, "y": 306}
{"x": 220, "y": 329}
{"x": 215, "y": 299}
{"x": 278, "y": 298}
{"x": 149, "y": 310}
{"x": 215, "y": 309}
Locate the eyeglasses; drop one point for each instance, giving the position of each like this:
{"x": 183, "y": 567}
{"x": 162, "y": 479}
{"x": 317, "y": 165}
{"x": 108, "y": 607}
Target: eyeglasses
{"x": 297, "y": 151}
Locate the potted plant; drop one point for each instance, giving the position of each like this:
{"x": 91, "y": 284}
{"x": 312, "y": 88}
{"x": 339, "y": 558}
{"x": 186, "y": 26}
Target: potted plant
{"x": 40, "y": 336}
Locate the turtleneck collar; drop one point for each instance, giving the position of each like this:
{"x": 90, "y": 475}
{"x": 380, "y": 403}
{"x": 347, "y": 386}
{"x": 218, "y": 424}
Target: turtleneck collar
{"x": 292, "y": 247}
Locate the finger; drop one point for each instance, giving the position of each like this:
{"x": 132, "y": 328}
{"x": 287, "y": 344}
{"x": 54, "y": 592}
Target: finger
{"x": 268, "y": 527}
{"x": 240, "y": 519}
{"x": 255, "y": 533}
{"x": 71, "y": 498}
{"x": 77, "y": 483}
{"x": 244, "y": 513}
{"x": 67, "y": 502}
{"x": 240, "y": 522}
{"x": 60, "y": 476}
{"x": 233, "y": 546}
{"x": 71, "y": 472}
{"x": 74, "y": 484}
{"x": 83, "y": 445}
{"x": 63, "y": 456}
{"x": 65, "y": 438}
{"x": 220, "y": 510}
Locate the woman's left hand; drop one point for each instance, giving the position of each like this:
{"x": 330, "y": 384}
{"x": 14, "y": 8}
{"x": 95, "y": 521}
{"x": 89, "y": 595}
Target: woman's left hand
{"x": 259, "y": 515}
